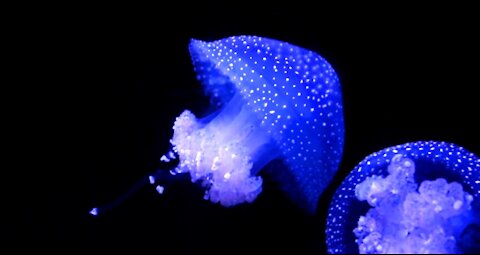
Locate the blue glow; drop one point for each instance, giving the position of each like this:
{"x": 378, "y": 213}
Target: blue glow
{"x": 164, "y": 158}
{"x": 159, "y": 189}
{"x": 151, "y": 179}
{"x": 438, "y": 162}
{"x": 94, "y": 211}
{"x": 271, "y": 100}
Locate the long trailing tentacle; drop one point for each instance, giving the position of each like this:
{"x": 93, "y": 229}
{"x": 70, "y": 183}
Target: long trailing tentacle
{"x": 160, "y": 179}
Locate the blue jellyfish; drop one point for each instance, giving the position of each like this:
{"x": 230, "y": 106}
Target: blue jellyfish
{"x": 270, "y": 101}
{"x": 419, "y": 197}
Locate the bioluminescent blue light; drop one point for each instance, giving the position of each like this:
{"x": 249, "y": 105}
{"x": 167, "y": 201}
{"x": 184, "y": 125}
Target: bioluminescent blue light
{"x": 271, "y": 100}
{"x": 420, "y": 197}
{"x": 94, "y": 211}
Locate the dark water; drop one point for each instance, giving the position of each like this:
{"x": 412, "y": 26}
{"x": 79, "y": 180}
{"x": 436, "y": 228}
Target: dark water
{"x": 406, "y": 76}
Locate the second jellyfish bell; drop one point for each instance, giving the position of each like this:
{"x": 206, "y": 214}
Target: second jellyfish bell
{"x": 418, "y": 197}
{"x": 271, "y": 100}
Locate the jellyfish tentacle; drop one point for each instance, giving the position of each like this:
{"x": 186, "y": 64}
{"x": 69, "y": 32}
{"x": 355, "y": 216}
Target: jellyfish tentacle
{"x": 161, "y": 180}
{"x": 119, "y": 200}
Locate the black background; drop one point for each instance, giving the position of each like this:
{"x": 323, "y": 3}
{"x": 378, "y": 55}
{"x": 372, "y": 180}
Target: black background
{"x": 408, "y": 73}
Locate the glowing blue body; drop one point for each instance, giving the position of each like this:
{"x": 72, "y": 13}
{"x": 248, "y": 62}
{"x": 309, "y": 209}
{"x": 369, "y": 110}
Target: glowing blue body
{"x": 432, "y": 160}
{"x": 290, "y": 94}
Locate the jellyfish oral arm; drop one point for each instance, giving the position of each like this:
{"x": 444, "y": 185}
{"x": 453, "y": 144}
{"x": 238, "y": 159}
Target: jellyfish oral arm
{"x": 405, "y": 220}
{"x": 224, "y": 153}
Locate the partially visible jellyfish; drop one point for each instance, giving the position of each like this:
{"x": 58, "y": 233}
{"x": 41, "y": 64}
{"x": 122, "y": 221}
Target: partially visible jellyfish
{"x": 271, "y": 101}
{"x": 420, "y": 197}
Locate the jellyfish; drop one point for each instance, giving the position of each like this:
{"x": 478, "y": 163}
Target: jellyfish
{"x": 418, "y": 197}
{"x": 271, "y": 101}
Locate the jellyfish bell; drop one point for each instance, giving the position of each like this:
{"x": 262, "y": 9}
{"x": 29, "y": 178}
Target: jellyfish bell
{"x": 271, "y": 100}
{"x": 419, "y": 197}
